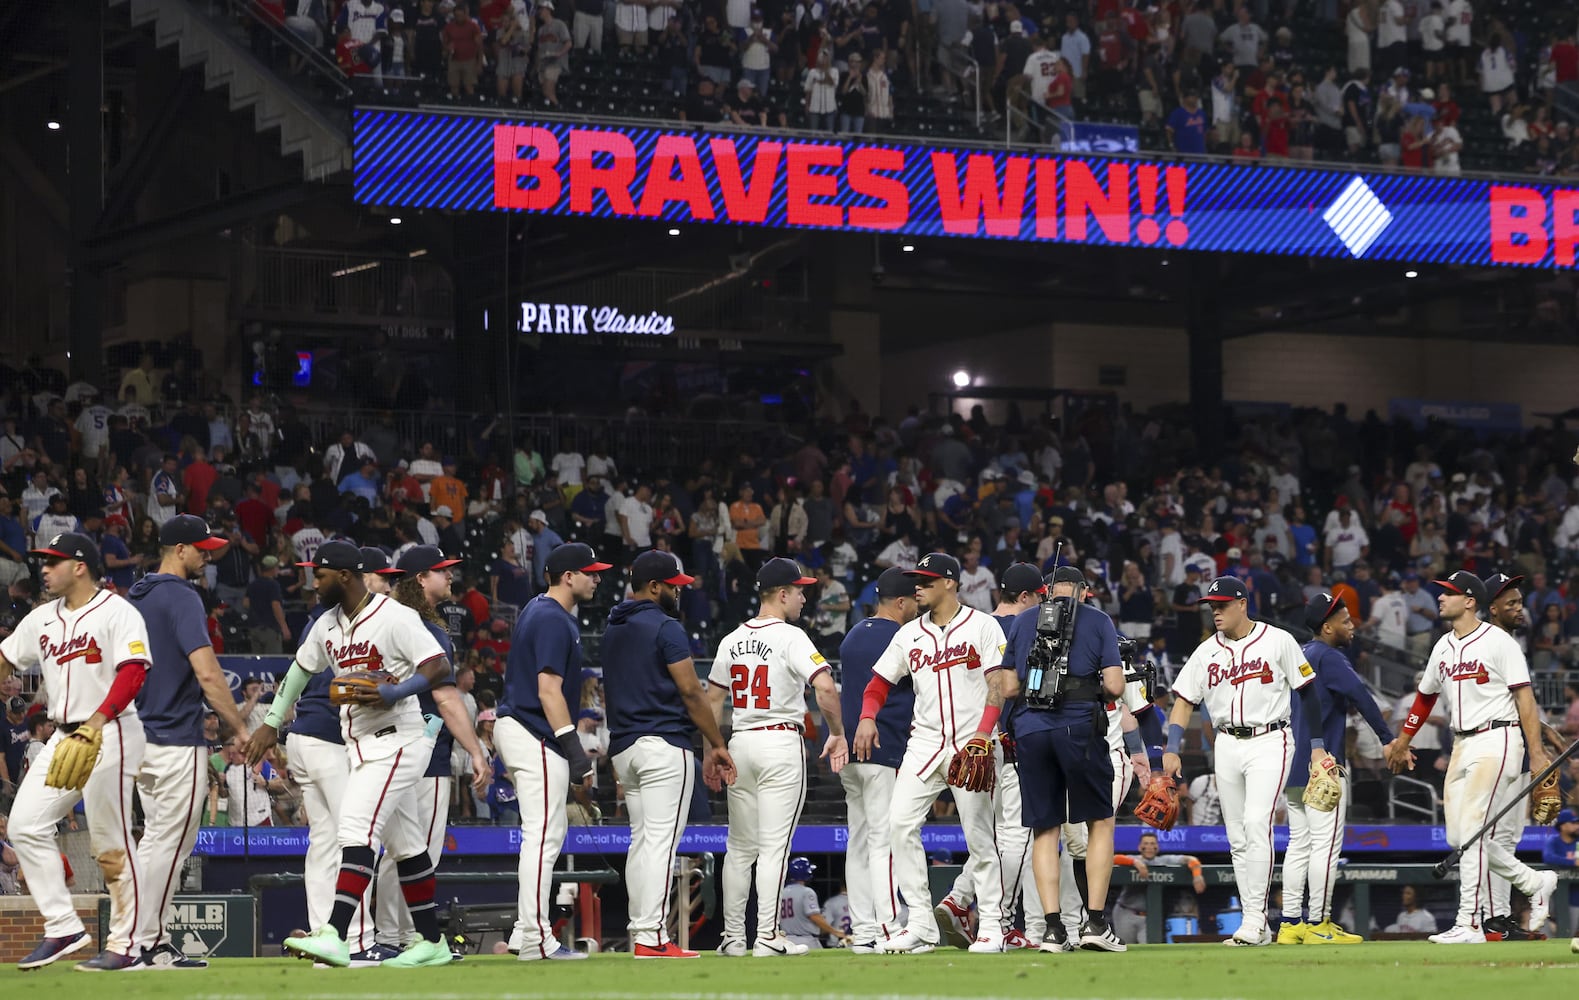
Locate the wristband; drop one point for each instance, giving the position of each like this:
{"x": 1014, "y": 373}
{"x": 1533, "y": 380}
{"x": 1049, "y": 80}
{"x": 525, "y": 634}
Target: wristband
{"x": 1175, "y": 737}
{"x": 1132, "y": 743}
{"x": 989, "y": 718}
{"x": 1318, "y": 744}
{"x": 562, "y": 730}
{"x": 389, "y": 694}
{"x": 1419, "y": 712}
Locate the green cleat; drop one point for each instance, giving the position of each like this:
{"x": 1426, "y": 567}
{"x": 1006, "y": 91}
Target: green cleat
{"x": 422, "y": 953}
{"x": 324, "y": 944}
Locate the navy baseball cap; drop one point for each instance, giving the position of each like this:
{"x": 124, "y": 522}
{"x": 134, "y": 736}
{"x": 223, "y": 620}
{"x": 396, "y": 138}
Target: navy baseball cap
{"x": 938, "y": 566}
{"x": 375, "y": 561}
{"x": 1067, "y": 574}
{"x": 189, "y": 529}
{"x": 1498, "y": 583}
{"x": 336, "y": 555}
{"x": 1466, "y": 583}
{"x": 1021, "y": 578}
{"x": 660, "y": 566}
{"x": 573, "y": 557}
{"x": 1226, "y": 588}
{"x": 71, "y": 545}
{"x": 1319, "y": 608}
{"x": 421, "y": 558}
{"x": 895, "y": 582}
{"x": 782, "y": 572}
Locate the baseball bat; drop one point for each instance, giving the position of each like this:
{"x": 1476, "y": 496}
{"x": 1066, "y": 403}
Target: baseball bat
{"x": 1443, "y": 866}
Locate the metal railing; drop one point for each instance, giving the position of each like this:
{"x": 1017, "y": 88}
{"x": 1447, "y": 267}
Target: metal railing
{"x": 260, "y": 24}
{"x": 355, "y": 286}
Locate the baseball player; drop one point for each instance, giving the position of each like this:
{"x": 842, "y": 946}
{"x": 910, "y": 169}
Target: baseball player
{"x": 182, "y": 673}
{"x": 1480, "y": 674}
{"x": 762, "y": 670}
{"x": 800, "y": 919}
{"x": 949, "y": 653}
{"x": 655, "y": 704}
{"x": 92, "y": 648}
{"x": 1315, "y": 837}
{"x": 423, "y": 577}
{"x": 869, "y": 784}
{"x": 387, "y": 741}
{"x": 836, "y": 908}
{"x": 1244, "y": 675}
{"x": 537, "y": 739}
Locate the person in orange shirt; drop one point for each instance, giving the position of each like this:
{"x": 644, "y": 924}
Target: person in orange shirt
{"x": 447, "y": 490}
{"x": 747, "y": 517}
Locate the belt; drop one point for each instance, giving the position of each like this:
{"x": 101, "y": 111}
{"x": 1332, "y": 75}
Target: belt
{"x": 1250, "y": 732}
{"x": 1488, "y": 727}
{"x": 776, "y": 727}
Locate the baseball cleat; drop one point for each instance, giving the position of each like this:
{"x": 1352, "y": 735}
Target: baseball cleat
{"x": 1292, "y": 932}
{"x": 1459, "y": 934}
{"x": 864, "y": 948}
{"x": 1502, "y": 928}
{"x": 952, "y": 922}
{"x": 324, "y": 944}
{"x": 988, "y": 944}
{"x": 666, "y": 950}
{"x": 107, "y": 961}
{"x": 422, "y": 954}
{"x": 1573, "y": 946}
{"x": 53, "y": 949}
{"x": 1328, "y": 932}
{"x": 168, "y": 956}
{"x": 1541, "y": 902}
{"x": 566, "y": 955}
{"x": 732, "y": 947}
{"x": 1096, "y": 934}
{"x": 1258, "y": 941}
{"x": 1016, "y": 940}
{"x": 777, "y": 946}
{"x": 906, "y": 943}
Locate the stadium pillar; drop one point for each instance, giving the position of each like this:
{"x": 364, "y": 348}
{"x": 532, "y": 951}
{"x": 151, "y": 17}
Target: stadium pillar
{"x": 85, "y": 184}
{"x": 1205, "y": 329}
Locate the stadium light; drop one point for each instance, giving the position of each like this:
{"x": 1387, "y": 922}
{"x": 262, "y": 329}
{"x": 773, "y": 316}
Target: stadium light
{"x": 52, "y": 125}
{"x": 394, "y": 220}
{"x": 909, "y": 248}
{"x": 674, "y": 232}
{"x": 1411, "y": 274}
{"x": 961, "y": 379}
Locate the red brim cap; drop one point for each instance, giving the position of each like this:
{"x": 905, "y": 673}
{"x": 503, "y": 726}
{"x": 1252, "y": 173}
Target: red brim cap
{"x": 53, "y": 553}
{"x": 805, "y": 581}
{"x": 923, "y": 572}
{"x": 311, "y": 565}
{"x": 679, "y": 580}
{"x": 597, "y": 567}
{"x": 1222, "y": 598}
{"x": 211, "y": 543}
{"x": 388, "y": 571}
{"x": 444, "y": 564}
{"x": 1449, "y": 585}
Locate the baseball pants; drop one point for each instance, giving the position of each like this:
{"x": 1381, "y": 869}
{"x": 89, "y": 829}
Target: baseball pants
{"x": 764, "y": 805}
{"x": 1310, "y": 864}
{"x": 658, "y": 778}
{"x": 1482, "y": 775}
{"x": 1014, "y": 856}
{"x": 1508, "y": 831}
{"x": 921, "y": 779}
{"x": 173, "y": 787}
{"x": 107, "y": 798}
{"x": 320, "y": 769}
{"x": 392, "y": 920}
{"x": 542, "y": 780}
{"x": 1250, "y": 776}
{"x": 869, "y": 860}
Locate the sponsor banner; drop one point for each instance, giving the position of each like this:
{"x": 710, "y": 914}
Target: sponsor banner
{"x": 206, "y": 926}
{"x": 1475, "y": 416}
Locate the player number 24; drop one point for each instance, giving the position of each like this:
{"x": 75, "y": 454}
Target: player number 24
{"x": 744, "y": 680}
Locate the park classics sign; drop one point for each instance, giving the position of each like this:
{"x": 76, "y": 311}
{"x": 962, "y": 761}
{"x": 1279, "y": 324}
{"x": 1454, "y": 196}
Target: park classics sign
{"x": 580, "y": 320}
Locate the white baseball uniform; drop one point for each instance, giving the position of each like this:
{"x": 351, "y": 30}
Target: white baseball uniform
{"x": 948, "y": 665}
{"x": 1245, "y": 685}
{"x": 1013, "y": 845}
{"x": 78, "y": 652}
{"x": 797, "y": 902}
{"x": 764, "y": 665}
{"x": 1475, "y": 677}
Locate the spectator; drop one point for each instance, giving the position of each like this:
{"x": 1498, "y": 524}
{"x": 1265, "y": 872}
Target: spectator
{"x": 247, "y": 789}
{"x": 714, "y": 55}
{"x": 1460, "y": 15}
{"x": 1392, "y": 36}
{"x": 756, "y": 57}
{"x": 821, "y": 87}
{"x": 463, "y": 47}
{"x": 1496, "y": 74}
{"x": 630, "y": 25}
{"x": 635, "y": 518}
{"x": 137, "y": 385}
{"x": 1414, "y": 147}
{"x": 1433, "y": 42}
{"x": 368, "y": 23}
{"x": 512, "y": 53}
{"x": 265, "y": 606}
{"x": 852, "y": 97}
{"x": 1225, "y": 108}
{"x": 1075, "y": 47}
{"x": 553, "y": 54}
{"x": 1412, "y": 917}
{"x": 1446, "y": 144}
{"x": 1060, "y": 95}
{"x": 1245, "y": 40}
{"x": 1357, "y": 110}
{"x": 674, "y": 54}
{"x": 747, "y": 519}
{"x": 588, "y": 24}
{"x": 1187, "y": 125}
{"x": 1357, "y": 28}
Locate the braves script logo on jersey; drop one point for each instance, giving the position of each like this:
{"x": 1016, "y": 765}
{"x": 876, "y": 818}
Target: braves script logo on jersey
{"x": 1464, "y": 670}
{"x": 80, "y": 647}
{"x": 362, "y": 655}
{"x": 1241, "y": 673}
{"x": 949, "y": 656}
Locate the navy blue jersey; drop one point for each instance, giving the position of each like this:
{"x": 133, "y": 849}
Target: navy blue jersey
{"x": 315, "y": 717}
{"x": 1338, "y": 688}
{"x": 860, "y": 649}
{"x": 1095, "y": 647}
{"x": 439, "y": 766}
{"x": 547, "y": 639}
{"x": 171, "y": 700}
{"x": 640, "y": 643}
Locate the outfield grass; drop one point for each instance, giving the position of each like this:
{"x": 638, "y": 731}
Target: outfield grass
{"x": 1382, "y": 971}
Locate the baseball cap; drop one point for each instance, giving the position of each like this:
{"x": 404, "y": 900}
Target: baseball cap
{"x": 537, "y": 515}
{"x": 443, "y": 510}
{"x": 336, "y": 555}
{"x": 895, "y": 582}
{"x": 1319, "y": 608}
{"x": 398, "y": 16}
{"x": 782, "y": 572}
{"x": 71, "y": 545}
{"x": 374, "y": 560}
{"x": 1234, "y": 552}
{"x": 938, "y": 565}
{"x": 574, "y": 556}
{"x": 269, "y": 562}
{"x": 1016, "y": 27}
{"x": 657, "y": 565}
{"x": 1022, "y": 578}
{"x": 1466, "y": 583}
{"x": 189, "y": 529}
{"x": 1566, "y": 816}
{"x": 1226, "y": 588}
{"x": 1496, "y": 583}
{"x": 421, "y": 558}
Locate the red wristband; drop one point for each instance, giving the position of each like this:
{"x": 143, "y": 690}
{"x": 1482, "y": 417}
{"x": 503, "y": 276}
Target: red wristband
{"x": 875, "y": 695}
{"x": 989, "y": 718}
{"x": 123, "y": 690}
{"x": 1419, "y": 712}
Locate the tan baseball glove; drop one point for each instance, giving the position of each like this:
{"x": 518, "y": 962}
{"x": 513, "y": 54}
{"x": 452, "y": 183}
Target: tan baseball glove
{"x": 75, "y": 756}
{"x": 359, "y": 687}
{"x": 1325, "y": 789}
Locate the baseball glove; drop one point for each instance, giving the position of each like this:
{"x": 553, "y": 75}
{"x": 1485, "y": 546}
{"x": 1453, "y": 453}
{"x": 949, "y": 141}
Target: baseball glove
{"x": 1325, "y": 788}
{"x": 972, "y": 768}
{"x": 1010, "y": 749}
{"x": 359, "y": 687}
{"x": 1159, "y": 807}
{"x": 1546, "y": 801}
{"x": 72, "y": 764}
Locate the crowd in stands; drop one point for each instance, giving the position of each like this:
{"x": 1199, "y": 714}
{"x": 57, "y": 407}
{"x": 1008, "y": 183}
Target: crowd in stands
{"x": 1293, "y": 504}
{"x": 1423, "y": 84}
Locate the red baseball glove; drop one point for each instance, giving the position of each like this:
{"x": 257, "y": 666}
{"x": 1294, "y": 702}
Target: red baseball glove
{"x": 972, "y": 767}
{"x": 1159, "y": 807}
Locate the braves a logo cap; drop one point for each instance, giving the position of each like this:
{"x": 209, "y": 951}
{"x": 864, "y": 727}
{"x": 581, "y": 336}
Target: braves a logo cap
{"x": 1466, "y": 583}
{"x": 1022, "y": 578}
{"x": 938, "y": 565}
{"x": 573, "y": 557}
{"x": 375, "y": 561}
{"x": 782, "y": 573}
{"x": 421, "y": 558}
{"x": 71, "y": 545}
{"x": 1319, "y": 608}
{"x": 1226, "y": 588}
{"x": 657, "y": 565}
{"x": 189, "y": 529}
{"x": 1499, "y": 583}
{"x": 336, "y": 555}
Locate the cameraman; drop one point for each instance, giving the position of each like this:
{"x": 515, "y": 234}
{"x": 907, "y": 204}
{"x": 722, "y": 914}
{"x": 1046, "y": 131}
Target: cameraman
{"x": 1066, "y": 773}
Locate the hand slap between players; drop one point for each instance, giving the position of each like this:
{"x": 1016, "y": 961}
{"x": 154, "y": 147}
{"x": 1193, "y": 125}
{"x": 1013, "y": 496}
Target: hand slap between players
{"x": 1399, "y": 757}
{"x": 263, "y": 739}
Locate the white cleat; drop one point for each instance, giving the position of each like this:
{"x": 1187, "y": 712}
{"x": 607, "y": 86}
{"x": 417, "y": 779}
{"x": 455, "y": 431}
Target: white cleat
{"x": 1459, "y": 934}
{"x": 906, "y": 943}
{"x": 864, "y": 948}
{"x": 732, "y": 948}
{"x": 1573, "y": 946}
{"x": 1541, "y": 903}
{"x": 777, "y": 946}
{"x": 987, "y": 944}
{"x": 952, "y": 919}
